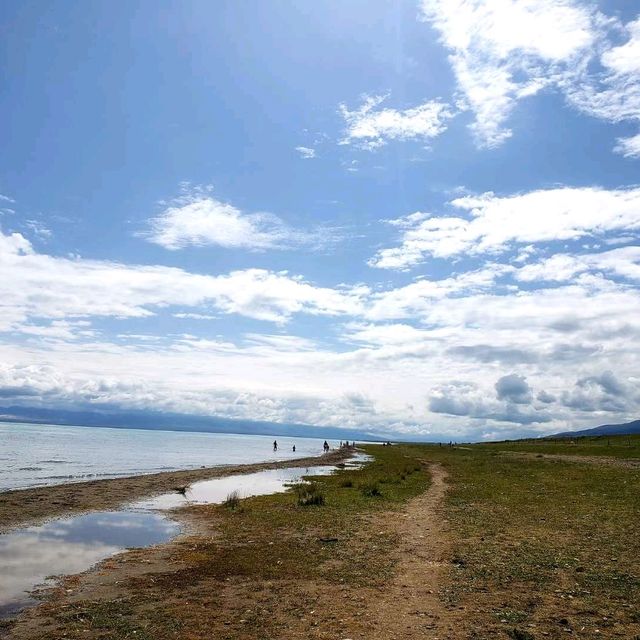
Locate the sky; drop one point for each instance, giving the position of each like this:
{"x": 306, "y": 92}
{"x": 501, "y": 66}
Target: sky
{"x": 419, "y": 217}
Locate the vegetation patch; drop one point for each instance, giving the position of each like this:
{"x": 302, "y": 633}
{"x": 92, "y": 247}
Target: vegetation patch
{"x": 309, "y": 494}
{"x": 546, "y": 542}
{"x": 232, "y": 501}
{"x": 371, "y": 489}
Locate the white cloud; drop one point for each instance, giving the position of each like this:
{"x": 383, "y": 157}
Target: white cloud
{"x": 602, "y": 393}
{"x": 495, "y": 222}
{"x": 39, "y": 229}
{"x": 371, "y": 127}
{"x": 34, "y": 285}
{"x": 306, "y": 152}
{"x": 629, "y": 147}
{"x": 386, "y": 356}
{"x": 623, "y": 262}
{"x": 613, "y": 94}
{"x": 195, "y": 316}
{"x": 198, "y": 219}
{"x": 402, "y": 302}
{"x": 505, "y": 50}
{"x": 502, "y": 51}
{"x": 625, "y": 59}
{"x": 552, "y": 336}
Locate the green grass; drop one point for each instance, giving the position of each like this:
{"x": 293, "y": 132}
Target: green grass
{"x": 610, "y": 446}
{"x": 371, "y": 489}
{"x": 540, "y": 547}
{"x": 548, "y": 541}
{"x": 115, "y": 619}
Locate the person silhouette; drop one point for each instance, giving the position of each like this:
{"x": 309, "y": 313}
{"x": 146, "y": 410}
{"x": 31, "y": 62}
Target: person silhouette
{"x": 294, "y": 448}
{"x": 275, "y": 445}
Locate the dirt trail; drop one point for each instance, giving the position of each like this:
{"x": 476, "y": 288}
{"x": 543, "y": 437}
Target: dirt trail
{"x": 409, "y": 606}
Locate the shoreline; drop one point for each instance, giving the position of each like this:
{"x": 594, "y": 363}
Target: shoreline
{"x": 23, "y": 507}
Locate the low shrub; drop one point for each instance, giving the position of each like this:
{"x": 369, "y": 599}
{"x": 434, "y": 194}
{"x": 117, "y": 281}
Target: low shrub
{"x": 309, "y": 494}
{"x": 232, "y": 501}
{"x": 370, "y": 489}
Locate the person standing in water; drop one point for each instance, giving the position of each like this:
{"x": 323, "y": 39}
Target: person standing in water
{"x": 294, "y": 448}
{"x": 275, "y": 445}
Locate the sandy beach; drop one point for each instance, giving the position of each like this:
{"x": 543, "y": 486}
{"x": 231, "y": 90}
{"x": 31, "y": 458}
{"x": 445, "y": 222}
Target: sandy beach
{"x": 28, "y": 506}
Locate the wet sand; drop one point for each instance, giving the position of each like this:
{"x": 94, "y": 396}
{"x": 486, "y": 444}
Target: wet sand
{"x": 28, "y": 506}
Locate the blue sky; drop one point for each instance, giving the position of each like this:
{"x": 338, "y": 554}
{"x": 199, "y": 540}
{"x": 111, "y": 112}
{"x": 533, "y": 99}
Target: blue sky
{"x": 418, "y": 217}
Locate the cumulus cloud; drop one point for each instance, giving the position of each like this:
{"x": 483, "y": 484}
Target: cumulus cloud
{"x": 603, "y": 392}
{"x": 494, "y": 223}
{"x": 199, "y": 219}
{"x": 372, "y": 127}
{"x": 467, "y": 399}
{"x": 545, "y": 397}
{"x": 383, "y": 352}
{"x": 514, "y": 388}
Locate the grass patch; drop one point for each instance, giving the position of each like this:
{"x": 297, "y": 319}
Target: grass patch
{"x": 371, "y": 489}
{"x": 309, "y": 494}
{"x": 543, "y": 540}
{"x": 232, "y": 501}
{"x": 273, "y": 538}
{"x": 609, "y": 446}
{"x": 116, "y": 620}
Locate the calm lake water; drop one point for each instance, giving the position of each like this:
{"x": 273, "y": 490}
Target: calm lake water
{"x": 36, "y": 454}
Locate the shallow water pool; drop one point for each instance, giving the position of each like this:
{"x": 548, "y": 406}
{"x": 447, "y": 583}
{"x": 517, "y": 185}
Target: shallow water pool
{"x": 70, "y": 545}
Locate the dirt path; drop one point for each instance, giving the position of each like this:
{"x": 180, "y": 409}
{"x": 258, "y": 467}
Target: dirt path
{"x": 410, "y": 606}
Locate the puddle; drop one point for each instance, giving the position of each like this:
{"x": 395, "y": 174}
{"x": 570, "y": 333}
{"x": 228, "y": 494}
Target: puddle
{"x": 259, "y": 483}
{"x": 216, "y": 491}
{"x": 71, "y": 545}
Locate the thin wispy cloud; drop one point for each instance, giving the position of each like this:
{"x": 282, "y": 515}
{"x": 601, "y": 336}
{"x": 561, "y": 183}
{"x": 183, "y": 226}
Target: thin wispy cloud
{"x": 306, "y": 152}
{"x": 504, "y": 52}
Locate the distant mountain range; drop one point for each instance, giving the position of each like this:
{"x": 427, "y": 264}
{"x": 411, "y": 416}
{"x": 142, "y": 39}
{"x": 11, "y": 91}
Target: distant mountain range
{"x": 178, "y": 422}
{"x": 625, "y": 429}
